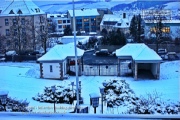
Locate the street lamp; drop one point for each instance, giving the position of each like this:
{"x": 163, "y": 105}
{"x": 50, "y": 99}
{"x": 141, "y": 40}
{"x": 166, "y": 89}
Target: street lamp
{"x": 53, "y": 88}
{"x": 94, "y": 100}
{"x": 77, "y": 78}
{"x": 3, "y": 98}
{"x": 102, "y": 93}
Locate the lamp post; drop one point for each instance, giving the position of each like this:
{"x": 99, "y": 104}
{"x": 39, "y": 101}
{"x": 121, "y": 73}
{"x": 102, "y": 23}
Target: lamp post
{"x": 3, "y": 98}
{"x": 94, "y": 100}
{"x": 102, "y": 93}
{"x": 77, "y": 78}
{"x": 53, "y": 88}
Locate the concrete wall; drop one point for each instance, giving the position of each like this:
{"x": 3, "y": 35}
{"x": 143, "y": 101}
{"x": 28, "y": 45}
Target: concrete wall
{"x": 55, "y": 74}
{"x": 154, "y": 69}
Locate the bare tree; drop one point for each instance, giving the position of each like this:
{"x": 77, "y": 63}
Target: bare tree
{"x": 20, "y": 37}
{"x": 42, "y": 31}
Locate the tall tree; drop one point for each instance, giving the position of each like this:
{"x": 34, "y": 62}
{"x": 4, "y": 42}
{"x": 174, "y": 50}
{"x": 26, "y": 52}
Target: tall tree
{"x": 42, "y": 31}
{"x": 136, "y": 28}
{"x": 20, "y": 36}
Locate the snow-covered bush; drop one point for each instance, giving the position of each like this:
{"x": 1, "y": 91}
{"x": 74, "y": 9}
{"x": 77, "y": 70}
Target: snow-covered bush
{"x": 14, "y": 105}
{"x": 118, "y": 93}
{"x": 61, "y": 95}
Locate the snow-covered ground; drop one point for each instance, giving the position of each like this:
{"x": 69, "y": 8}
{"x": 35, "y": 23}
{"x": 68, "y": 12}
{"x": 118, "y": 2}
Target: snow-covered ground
{"x": 22, "y": 81}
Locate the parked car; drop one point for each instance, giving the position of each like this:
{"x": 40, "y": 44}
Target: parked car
{"x": 102, "y": 52}
{"x": 171, "y": 56}
{"x": 162, "y": 52}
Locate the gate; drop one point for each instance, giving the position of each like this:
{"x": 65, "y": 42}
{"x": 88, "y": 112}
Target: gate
{"x": 100, "y": 70}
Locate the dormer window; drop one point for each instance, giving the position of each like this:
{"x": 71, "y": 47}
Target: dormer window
{"x": 119, "y": 24}
{"x": 11, "y": 12}
{"x": 19, "y": 12}
{"x": 37, "y": 10}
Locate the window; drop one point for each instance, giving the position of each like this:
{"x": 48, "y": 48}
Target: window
{"x": 11, "y": 12}
{"x": 64, "y": 21}
{"x": 41, "y": 28}
{"x": 68, "y": 21}
{"x": 86, "y": 19}
{"x": 59, "y": 26}
{"x": 59, "y": 21}
{"x": 15, "y": 32}
{"x": 6, "y": 22}
{"x": 23, "y": 21}
{"x": 64, "y": 26}
{"x": 7, "y": 32}
{"x": 51, "y": 68}
{"x": 19, "y": 12}
{"x": 41, "y": 19}
{"x": 166, "y": 29}
{"x": 14, "y": 21}
{"x": 23, "y": 31}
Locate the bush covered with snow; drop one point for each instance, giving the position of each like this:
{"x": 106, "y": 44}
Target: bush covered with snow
{"x": 14, "y": 105}
{"x": 61, "y": 95}
{"x": 118, "y": 93}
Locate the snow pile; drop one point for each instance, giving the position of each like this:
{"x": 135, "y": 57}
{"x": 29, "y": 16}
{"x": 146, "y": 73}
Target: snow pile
{"x": 34, "y": 71}
{"x": 61, "y": 95}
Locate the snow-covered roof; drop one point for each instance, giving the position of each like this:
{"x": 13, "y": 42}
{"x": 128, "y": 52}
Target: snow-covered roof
{"x": 84, "y": 12}
{"x": 20, "y": 7}
{"x": 61, "y": 52}
{"x": 138, "y": 52}
{"x": 121, "y": 22}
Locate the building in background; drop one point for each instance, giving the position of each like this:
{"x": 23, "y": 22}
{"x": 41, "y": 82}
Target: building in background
{"x": 60, "y": 21}
{"x": 20, "y": 23}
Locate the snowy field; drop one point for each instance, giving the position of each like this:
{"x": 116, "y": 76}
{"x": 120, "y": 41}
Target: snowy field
{"x": 23, "y": 82}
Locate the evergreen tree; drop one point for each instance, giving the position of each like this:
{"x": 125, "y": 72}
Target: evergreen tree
{"x": 136, "y": 28}
{"x": 67, "y": 31}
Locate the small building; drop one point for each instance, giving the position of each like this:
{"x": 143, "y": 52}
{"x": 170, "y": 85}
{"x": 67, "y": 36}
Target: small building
{"x": 141, "y": 59}
{"x": 59, "y": 61}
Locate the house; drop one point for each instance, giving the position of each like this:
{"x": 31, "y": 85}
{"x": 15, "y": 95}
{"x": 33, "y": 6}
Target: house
{"x": 86, "y": 19}
{"x": 170, "y": 24}
{"x": 24, "y": 16}
{"x": 114, "y": 21}
{"x": 59, "y": 61}
{"x": 140, "y": 59}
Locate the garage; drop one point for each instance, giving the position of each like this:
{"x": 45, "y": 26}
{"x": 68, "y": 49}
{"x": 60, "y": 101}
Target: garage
{"x": 145, "y": 62}
{"x": 100, "y": 70}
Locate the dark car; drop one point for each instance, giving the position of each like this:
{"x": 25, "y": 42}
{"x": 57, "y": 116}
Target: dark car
{"x": 102, "y": 52}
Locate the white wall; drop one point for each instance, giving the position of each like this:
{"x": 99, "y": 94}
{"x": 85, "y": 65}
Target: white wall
{"x": 55, "y": 70}
{"x": 154, "y": 68}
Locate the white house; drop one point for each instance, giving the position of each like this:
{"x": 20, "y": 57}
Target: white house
{"x": 59, "y": 61}
{"x": 141, "y": 57}
{"x": 113, "y": 22}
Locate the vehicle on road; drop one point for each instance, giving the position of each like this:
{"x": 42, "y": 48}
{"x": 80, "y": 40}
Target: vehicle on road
{"x": 171, "y": 56}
